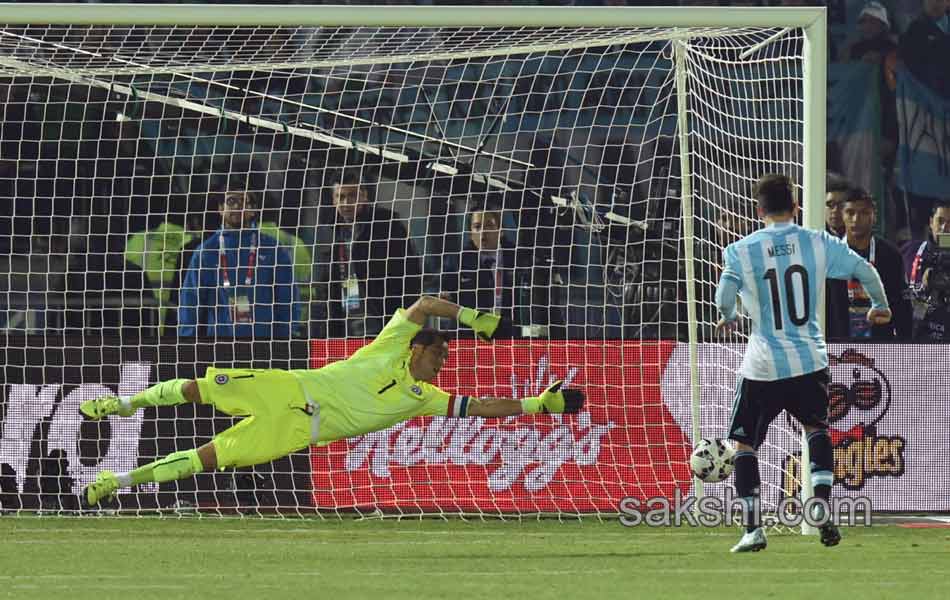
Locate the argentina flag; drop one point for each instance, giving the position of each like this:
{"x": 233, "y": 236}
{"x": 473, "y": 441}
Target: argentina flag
{"x": 854, "y": 122}
{"x": 923, "y": 119}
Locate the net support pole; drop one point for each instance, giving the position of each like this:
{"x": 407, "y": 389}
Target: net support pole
{"x": 689, "y": 240}
{"x": 814, "y": 78}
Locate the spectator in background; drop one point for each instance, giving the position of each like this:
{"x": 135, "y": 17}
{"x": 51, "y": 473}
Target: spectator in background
{"x": 104, "y": 293}
{"x": 874, "y": 41}
{"x": 837, "y": 189}
{"x": 836, "y": 192}
{"x": 373, "y": 268}
{"x": 239, "y": 282}
{"x": 876, "y": 46}
{"x": 726, "y": 225}
{"x": 847, "y": 302}
{"x": 925, "y": 46}
{"x": 732, "y": 226}
{"x": 924, "y": 50}
{"x": 157, "y": 253}
{"x": 303, "y": 262}
{"x": 494, "y": 276}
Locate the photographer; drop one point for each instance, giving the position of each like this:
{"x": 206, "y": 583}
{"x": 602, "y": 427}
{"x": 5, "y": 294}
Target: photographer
{"x": 913, "y": 250}
{"x": 928, "y": 268}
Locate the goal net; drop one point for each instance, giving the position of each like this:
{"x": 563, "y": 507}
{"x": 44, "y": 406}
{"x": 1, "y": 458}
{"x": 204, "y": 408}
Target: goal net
{"x": 579, "y": 179}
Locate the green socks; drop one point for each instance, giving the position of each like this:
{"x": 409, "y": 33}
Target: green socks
{"x": 166, "y": 393}
{"x": 173, "y": 467}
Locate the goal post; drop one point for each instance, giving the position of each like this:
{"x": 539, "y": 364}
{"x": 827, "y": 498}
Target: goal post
{"x": 816, "y": 86}
{"x": 415, "y": 16}
{"x": 613, "y": 143}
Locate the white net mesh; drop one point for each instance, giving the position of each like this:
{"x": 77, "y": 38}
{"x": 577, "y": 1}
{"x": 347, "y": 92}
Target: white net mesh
{"x": 112, "y": 50}
{"x": 531, "y": 171}
{"x": 732, "y": 144}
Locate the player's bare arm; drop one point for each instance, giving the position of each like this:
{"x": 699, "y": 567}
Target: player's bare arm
{"x": 494, "y": 407}
{"x": 485, "y": 325}
{"x": 431, "y": 306}
{"x": 553, "y": 400}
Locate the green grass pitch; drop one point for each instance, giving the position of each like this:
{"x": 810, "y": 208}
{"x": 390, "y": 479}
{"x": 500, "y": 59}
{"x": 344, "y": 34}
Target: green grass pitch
{"x": 78, "y": 558}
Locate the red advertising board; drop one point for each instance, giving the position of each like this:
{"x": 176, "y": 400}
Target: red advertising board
{"x": 625, "y": 442}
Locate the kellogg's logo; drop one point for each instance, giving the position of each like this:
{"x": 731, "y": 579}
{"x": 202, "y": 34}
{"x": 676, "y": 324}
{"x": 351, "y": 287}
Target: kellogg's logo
{"x": 519, "y": 453}
{"x": 858, "y": 398}
{"x": 526, "y": 453}
{"x": 587, "y": 461}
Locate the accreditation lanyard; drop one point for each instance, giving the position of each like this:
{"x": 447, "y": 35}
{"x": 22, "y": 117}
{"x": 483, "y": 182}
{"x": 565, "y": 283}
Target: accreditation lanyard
{"x": 499, "y": 279}
{"x": 494, "y": 263}
{"x": 915, "y": 269}
{"x": 344, "y": 253}
{"x": 854, "y": 284}
{"x": 872, "y": 251}
{"x": 251, "y": 261}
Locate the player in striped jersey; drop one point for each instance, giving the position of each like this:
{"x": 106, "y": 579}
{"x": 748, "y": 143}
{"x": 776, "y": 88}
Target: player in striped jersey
{"x": 779, "y": 274}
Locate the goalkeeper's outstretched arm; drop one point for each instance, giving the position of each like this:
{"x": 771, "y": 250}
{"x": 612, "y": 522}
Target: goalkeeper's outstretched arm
{"x": 552, "y": 400}
{"x": 485, "y": 325}
{"x": 431, "y": 306}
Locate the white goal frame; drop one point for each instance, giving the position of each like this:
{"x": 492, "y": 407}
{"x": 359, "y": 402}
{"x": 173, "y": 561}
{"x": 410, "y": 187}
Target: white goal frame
{"x": 812, "y": 20}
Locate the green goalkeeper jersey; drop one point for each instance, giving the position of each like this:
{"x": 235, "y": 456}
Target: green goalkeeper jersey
{"x": 373, "y": 389}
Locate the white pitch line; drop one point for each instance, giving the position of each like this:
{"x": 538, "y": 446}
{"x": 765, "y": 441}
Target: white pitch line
{"x": 630, "y": 534}
{"x": 939, "y": 519}
{"x": 116, "y": 576}
{"x": 317, "y": 542}
{"x": 753, "y": 570}
{"x": 625, "y": 532}
{"x": 230, "y": 576}
{"x": 20, "y": 580}
{"x": 127, "y": 586}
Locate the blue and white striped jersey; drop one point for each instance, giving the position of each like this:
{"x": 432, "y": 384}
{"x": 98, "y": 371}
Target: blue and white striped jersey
{"x": 779, "y": 274}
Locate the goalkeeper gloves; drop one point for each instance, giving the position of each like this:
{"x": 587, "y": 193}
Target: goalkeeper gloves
{"x": 483, "y": 324}
{"x": 554, "y": 400}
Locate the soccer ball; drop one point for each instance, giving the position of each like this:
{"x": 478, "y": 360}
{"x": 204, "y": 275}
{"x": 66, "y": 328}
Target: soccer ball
{"x": 712, "y": 460}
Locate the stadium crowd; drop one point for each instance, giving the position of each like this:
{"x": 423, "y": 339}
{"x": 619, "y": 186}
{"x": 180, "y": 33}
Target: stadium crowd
{"x": 333, "y": 259}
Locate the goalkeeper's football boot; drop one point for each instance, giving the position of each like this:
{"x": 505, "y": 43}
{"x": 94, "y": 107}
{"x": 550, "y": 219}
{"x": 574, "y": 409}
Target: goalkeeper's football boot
{"x": 103, "y": 406}
{"x": 105, "y": 486}
{"x": 752, "y": 541}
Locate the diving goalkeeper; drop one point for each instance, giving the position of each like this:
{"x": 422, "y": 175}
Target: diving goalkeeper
{"x": 385, "y": 382}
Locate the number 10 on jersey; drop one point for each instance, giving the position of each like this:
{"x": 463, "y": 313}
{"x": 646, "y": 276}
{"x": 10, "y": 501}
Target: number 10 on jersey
{"x": 789, "y": 279}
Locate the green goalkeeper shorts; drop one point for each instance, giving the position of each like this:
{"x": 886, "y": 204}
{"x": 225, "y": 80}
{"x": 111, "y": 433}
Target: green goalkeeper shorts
{"x": 278, "y": 419}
